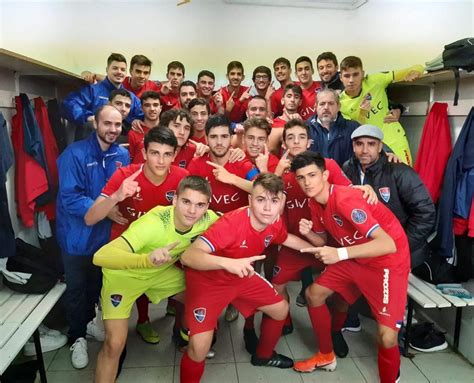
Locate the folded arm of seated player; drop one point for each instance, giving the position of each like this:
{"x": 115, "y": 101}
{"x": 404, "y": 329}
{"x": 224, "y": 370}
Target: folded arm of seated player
{"x": 408, "y": 74}
{"x": 119, "y": 255}
{"x": 199, "y": 257}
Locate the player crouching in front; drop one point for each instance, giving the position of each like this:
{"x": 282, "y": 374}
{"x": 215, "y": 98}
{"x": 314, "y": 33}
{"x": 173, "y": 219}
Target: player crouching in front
{"x": 219, "y": 267}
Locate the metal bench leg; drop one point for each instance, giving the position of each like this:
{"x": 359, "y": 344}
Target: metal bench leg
{"x": 408, "y": 327}
{"x": 39, "y": 356}
{"x": 457, "y": 327}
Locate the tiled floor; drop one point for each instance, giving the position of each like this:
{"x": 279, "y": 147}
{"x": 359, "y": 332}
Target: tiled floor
{"x": 160, "y": 363}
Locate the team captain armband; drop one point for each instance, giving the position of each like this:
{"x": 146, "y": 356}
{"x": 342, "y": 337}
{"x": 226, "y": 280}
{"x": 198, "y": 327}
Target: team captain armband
{"x": 252, "y": 173}
{"x": 342, "y": 253}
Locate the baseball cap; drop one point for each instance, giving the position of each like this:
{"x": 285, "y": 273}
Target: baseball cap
{"x": 367, "y": 131}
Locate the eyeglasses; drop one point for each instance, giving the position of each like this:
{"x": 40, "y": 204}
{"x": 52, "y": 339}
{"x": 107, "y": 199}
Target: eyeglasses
{"x": 261, "y": 77}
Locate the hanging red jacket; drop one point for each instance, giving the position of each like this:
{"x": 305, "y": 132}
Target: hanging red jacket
{"x": 30, "y": 178}
{"x": 435, "y": 149}
{"x": 51, "y": 153}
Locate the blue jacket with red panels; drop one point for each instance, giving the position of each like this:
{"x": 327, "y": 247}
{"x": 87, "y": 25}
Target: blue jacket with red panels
{"x": 84, "y": 169}
{"x": 80, "y": 105}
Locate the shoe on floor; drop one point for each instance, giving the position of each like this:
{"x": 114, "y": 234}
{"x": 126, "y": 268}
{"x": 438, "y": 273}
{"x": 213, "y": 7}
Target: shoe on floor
{"x": 231, "y": 313}
{"x": 277, "y": 360}
{"x": 250, "y": 340}
{"x": 48, "y": 343}
{"x": 180, "y": 338}
{"x": 301, "y": 300}
{"x": 170, "y": 310}
{"x": 429, "y": 342}
{"x": 95, "y": 331}
{"x": 211, "y": 354}
{"x": 324, "y": 361}
{"x": 352, "y": 323}
{"x": 42, "y": 329}
{"x": 148, "y": 333}
{"x": 341, "y": 349}
{"x": 79, "y": 357}
{"x": 287, "y": 329}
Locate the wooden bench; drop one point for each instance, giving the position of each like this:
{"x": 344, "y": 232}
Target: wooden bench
{"x": 428, "y": 297}
{"x": 20, "y": 317}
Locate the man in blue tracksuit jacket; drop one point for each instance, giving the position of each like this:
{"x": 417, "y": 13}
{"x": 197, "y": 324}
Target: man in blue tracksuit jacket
{"x": 79, "y": 107}
{"x": 84, "y": 169}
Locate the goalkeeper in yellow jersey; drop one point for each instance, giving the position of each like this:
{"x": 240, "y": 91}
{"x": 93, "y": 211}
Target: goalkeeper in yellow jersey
{"x": 142, "y": 261}
{"x": 365, "y": 100}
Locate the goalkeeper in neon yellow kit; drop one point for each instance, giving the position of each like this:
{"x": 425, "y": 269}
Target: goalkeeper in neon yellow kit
{"x": 365, "y": 100}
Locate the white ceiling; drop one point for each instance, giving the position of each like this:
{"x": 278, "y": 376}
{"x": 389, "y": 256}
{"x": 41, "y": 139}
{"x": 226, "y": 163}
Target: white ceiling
{"x": 324, "y": 4}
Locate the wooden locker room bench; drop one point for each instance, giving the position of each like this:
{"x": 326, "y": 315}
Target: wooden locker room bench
{"x": 20, "y": 317}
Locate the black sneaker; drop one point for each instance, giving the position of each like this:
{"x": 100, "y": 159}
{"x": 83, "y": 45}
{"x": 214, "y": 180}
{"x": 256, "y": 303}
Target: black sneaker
{"x": 341, "y": 349}
{"x": 277, "y": 360}
{"x": 251, "y": 340}
{"x": 352, "y": 323}
{"x": 430, "y": 342}
{"x": 180, "y": 338}
{"x": 287, "y": 329}
{"x": 301, "y": 300}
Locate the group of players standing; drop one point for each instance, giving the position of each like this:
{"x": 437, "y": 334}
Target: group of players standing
{"x": 242, "y": 152}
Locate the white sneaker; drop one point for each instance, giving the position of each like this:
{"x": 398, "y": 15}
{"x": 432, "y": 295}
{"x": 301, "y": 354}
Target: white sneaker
{"x": 79, "y": 357}
{"x": 211, "y": 354}
{"x": 43, "y": 330}
{"x": 95, "y": 331}
{"x": 49, "y": 342}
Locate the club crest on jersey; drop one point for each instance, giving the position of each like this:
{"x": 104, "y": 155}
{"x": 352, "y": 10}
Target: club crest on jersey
{"x": 359, "y": 216}
{"x": 337, "y": 219}
{"x": 182, "y": 164}
{"x": 385, "y": 193}
{"x": 115, "y": 299}
{"x": 169, "y": 195}
{"x": 200, "y": 314}
{"x": 276, "y": 270}
{"x": 267, "y": 240}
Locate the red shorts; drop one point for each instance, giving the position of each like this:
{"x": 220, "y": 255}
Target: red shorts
{"x": 207, "y": 297}
{"x": 385, "y": 289}
{"x": 290, "y": 263}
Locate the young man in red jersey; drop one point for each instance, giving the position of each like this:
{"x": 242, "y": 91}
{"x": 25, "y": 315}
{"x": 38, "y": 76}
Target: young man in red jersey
{"x": 187, "y": 92}
{"x": 170, "y": 90}
{"x": 235, "y": 96}
{"x": 200, "y": 112}
{"x": 282, "y": 71}
{"x": 304, "y": 72}
{"x": 230, "y": 182}
{"x": 219, "y": 267}
{"x": 291, "y": 101}
{"x": 373, "y": 261}
{"x": 205, "y": 89}
{"x": 134, "y": 190}
{"x": 151, "y": 107}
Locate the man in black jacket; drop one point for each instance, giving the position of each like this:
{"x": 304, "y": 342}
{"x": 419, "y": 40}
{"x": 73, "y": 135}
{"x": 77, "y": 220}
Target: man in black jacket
{"x": 397, "y": 185}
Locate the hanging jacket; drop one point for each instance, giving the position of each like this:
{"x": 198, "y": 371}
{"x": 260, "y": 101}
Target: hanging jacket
{"x": 434, "y": 150}
{"x": 31, "y": 180}
{"x": 84, "y": 169}
{"x": 79, "y": 106}
{"x": 400, "y": 189}
{"x": 334, "y": 143}
{"x": 454, "y": 194}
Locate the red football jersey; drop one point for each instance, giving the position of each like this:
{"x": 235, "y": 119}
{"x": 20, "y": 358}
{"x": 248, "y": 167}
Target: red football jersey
{"x": 278, "y": 122}
{"x": 296, "y": 200}
{"x": 350, "y": 220}
{"x": 169, "y": 101}
{"x": 308, "y": 101}
{"x": 275, "y": 101}
{"x": 202, "y": 140}
{"x": 147, "y": 198}
{"x": 136, "y": 145}
{"x": 232, "y": 236}
{"x": 225, "y": 197}
{"x": 149, "y": 85}
{"x": 238, "y": 112}
{"x": 185, "y": 155}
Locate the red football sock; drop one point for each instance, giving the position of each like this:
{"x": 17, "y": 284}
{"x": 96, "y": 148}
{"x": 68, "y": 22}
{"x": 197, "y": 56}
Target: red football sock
{"x": 191, "y": 371}
{"x": 270, "y": 332}
{"x": 178, "y": 319}
{"x": 338, "y": 320}
{"x": 142, "y": 307}
{"x": 249, "y": 322}
{"x": 321, "y": 321}
{"x": 389, "y": 364}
